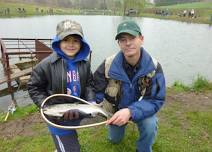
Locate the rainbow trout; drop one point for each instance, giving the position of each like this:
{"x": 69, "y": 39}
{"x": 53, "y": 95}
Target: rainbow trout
{"x": 57, "y": 110}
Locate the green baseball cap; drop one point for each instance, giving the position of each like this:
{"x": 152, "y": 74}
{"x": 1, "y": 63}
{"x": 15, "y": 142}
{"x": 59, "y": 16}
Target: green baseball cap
{"x": 68, "y": 27}
{"x": 129, "y": 27}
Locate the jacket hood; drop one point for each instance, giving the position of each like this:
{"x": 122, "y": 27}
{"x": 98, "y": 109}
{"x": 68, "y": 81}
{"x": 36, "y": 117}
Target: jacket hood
{"x": 81, "y": 55}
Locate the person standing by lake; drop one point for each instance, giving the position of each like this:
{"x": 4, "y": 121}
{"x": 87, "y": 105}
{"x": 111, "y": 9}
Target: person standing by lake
{"x": 132, "y": 85}
{"x": 65, "y": 71}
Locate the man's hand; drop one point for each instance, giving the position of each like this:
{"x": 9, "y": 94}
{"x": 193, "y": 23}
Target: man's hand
{"x": 71, "y": 114}
{"x": 120, "y": 118}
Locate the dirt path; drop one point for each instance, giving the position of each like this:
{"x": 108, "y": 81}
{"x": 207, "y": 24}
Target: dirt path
{"x": 27, "y": 126}
{"x": 191, "y": 100}
{"x": 21, "y": 127}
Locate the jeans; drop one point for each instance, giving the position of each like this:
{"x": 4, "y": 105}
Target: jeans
{"x": 147, "y": 133}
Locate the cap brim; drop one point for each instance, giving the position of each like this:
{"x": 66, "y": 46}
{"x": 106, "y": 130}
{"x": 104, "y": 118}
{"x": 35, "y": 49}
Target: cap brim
{"x": 64, "y": 34}
{"x": 134, "y": 33}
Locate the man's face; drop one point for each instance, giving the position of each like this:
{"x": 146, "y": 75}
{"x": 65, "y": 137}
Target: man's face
{"x": 129, "y": 44}
{"x": 70, "y": 45}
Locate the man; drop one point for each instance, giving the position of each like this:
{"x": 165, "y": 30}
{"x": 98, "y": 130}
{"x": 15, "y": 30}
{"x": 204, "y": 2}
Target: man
{"x": 133, "y": 83}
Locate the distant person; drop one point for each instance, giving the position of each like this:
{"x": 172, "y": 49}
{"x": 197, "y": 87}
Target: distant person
{"x": 7, "y": 11}
{"x": 184, "y": 13}
{"x": 65, "y": 71}
{"x": 19, "y": 10}
{"x": 132, "y": 85}
{"x": 192, "y": 13}
{"x": 211, "y": 18}
{"x": 37, "y": 10}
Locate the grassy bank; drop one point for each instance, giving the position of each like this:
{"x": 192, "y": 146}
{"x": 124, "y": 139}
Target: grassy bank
{"x": 203, "y": 12}
{"x": 185, "y": 124}
{"x": 24, "y": 10}
{"x": 200, "y": 84}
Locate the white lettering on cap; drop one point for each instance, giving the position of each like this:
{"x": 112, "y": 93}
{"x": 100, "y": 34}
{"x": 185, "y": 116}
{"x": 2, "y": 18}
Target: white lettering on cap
{"x": 69, "y": 24}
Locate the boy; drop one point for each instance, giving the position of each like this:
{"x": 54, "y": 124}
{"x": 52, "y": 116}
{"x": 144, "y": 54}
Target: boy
{"x": 64, "y": 71}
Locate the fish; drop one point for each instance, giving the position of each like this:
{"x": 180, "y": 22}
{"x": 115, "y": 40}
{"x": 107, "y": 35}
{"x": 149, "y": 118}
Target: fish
{"x": 58, "y": 110}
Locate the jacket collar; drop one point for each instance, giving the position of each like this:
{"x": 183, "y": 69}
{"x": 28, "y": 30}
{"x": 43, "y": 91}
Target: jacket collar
{"x": 54, "y": 57}
{"x": 117, "y": 71}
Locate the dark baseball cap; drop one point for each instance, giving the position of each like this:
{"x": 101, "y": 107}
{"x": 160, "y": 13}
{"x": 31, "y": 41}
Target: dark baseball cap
{"x": 129, "y": 27}
{"x": 68, "y": 27}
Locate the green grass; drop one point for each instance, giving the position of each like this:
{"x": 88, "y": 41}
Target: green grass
{"x": 195, "y": 5}
{"x": 179, "y": 86}
{"x": 41, "y": 143}
{"x": 199, "y": 84}
{"x": 181, "y": 128}
{"x": 31, "y": 10}
{"x": 203, "y": 12}
{"x": 19, "y": 113}
{"x": 184, "y": 129}
{"x": 97, "y": 140}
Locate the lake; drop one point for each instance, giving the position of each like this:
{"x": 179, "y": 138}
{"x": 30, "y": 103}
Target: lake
{"x": 183, "y": 49}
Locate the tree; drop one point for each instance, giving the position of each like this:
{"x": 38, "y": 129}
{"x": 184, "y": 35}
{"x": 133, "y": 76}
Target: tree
{"x": 133, "y": 4}
{"x": 103, "y": 5}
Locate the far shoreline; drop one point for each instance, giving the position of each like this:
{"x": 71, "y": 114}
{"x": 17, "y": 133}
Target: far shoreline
{"x": 172, "y": 18}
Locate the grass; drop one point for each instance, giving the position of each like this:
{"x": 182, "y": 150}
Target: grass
{"x": 189, "y": 131}
{"x": 174, "y": 137}
{"x": 199, "y": 84}
{"x": 41, "y": 143}
{"x": 19, "y": 113}
{"x": 195, "y": 5}
{"x": 203, "y": 11}
{"x": 179, "y": 86}
{"x": 31, "y": 10}
{"x": 181, "y": 128}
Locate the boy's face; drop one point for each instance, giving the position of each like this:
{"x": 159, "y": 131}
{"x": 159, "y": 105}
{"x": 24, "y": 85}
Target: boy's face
{"x": 71, "y": 45}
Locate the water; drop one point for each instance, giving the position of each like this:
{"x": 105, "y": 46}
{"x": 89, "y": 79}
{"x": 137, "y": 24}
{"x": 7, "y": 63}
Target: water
{"x": 183, "y": 49}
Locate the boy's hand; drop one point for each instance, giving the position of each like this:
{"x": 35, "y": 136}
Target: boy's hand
{"x": 71, "y": 114}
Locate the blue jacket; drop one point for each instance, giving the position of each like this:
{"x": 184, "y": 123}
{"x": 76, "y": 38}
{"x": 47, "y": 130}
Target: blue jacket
{"x": 153, "y": 98}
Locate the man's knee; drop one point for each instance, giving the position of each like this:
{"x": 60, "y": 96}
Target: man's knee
{"x": 115, "y": 139}
{"x": 149, "y": 125}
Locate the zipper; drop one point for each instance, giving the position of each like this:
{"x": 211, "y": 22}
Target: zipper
{"x": 77, "y": 64}
{"x": 131, "y": 85}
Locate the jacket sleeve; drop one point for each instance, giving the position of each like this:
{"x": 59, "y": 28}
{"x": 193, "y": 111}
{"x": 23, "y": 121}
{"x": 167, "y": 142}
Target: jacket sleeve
{"x": 100, "y": 82}
{"x": 149, "y": 106}
{"x": 37, "y": 85}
